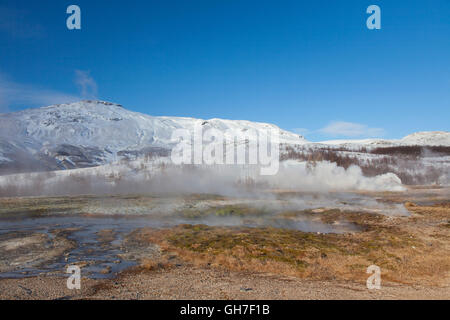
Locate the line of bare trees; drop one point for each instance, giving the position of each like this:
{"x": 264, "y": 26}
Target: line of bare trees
{"x": 405, "y": 161}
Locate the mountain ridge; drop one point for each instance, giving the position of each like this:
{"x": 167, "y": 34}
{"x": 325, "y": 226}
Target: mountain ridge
{"x": 91, "y": 133}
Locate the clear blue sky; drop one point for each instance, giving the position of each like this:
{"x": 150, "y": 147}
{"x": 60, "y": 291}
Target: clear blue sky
{"x": 309, "y": 65}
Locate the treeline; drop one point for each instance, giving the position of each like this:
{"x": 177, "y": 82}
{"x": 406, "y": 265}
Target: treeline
{"x": 413, "y": 151}
{"x": 404, "y": 161}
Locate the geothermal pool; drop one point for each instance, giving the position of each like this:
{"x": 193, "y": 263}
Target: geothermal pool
{"x": 45, "y": 235}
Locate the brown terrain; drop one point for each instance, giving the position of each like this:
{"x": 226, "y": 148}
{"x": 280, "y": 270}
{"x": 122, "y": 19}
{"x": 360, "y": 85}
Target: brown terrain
{"x": 216, "y": 262}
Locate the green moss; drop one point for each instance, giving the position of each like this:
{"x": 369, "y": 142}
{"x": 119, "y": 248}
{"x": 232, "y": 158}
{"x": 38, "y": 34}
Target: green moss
{"x": 39, "y": 206}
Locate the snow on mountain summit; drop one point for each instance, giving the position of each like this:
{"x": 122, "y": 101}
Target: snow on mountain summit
{"x": 431, "y": 138}
{"x": 426, "y": 138}
{"x": 108, "y": 125}
{"x": 90, "y": 132}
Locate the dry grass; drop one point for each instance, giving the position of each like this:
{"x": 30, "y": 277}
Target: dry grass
{"x": 155, "y": 265}
{"x": 405, "y": 251}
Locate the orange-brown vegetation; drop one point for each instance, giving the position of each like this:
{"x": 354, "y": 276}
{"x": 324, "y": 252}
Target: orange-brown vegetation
{"x": 409, "y": 250}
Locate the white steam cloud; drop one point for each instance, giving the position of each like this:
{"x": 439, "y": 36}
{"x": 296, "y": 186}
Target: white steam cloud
{"x": 87, "y": 85}
{"x": 161, "y": 176}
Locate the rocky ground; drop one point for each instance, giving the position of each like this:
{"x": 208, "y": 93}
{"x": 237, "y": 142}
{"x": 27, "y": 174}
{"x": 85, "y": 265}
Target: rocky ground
{"x": 188, "y": 282}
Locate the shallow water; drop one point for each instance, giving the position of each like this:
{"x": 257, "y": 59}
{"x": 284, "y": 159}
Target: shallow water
{"x": 88, "y": 247}
{"x": 100, "y": 255}
{"x": 157, "y": 213}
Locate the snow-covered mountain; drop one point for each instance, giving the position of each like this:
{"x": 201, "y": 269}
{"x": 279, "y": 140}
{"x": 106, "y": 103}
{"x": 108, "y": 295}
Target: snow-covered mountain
{"x": 433, "y": 138}
{"x": 92, "y": 133}
{"x": 427, "y": 138}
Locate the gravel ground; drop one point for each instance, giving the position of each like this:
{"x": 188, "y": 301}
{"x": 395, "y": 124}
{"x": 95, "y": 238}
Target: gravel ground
{"x": 186, "y": 282}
